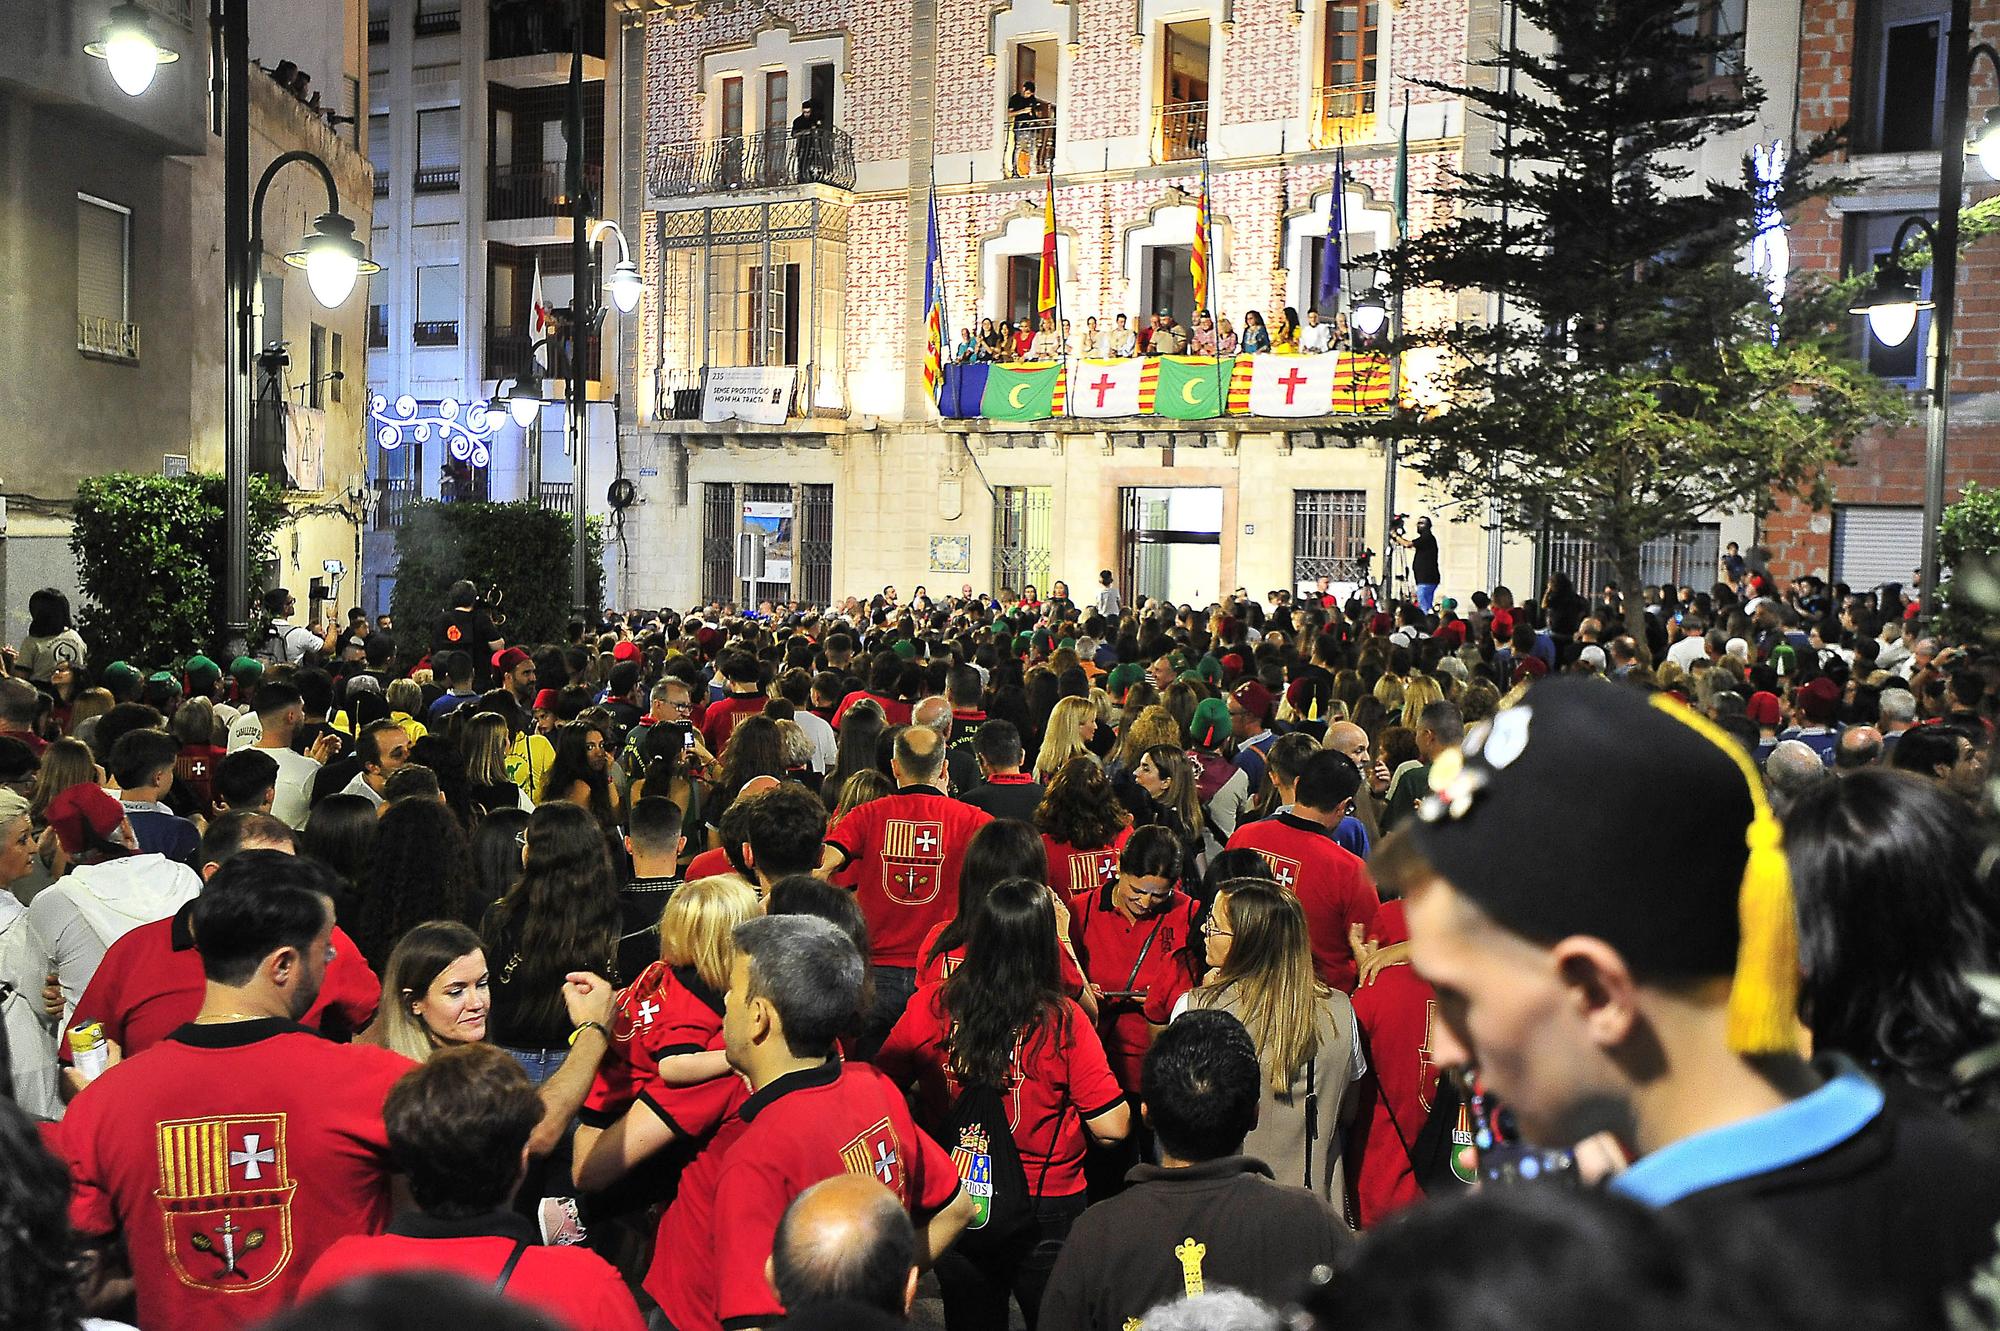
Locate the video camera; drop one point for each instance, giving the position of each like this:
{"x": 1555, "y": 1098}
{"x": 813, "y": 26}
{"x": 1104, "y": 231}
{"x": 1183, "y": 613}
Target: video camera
{"x": 1397, "y": 522}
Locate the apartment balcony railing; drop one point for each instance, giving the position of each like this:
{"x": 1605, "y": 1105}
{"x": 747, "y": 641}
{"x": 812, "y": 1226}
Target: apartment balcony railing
{"x": 1181, "y": 131}
{"x": 771, "y": 160}
{"x": 680, "y": 397}
{"x": 510, "y": 355}
{"x": 180, "y": 11}
{"x": 267, "y": 440}
{"x": 381, "y": 183}
{"x": 555, "y": 496}
{"x": 534, "y": 190}
{"x": 434, "y": 20}
{"x": 436, "y": 180}
{"x": 1344, "y": 111}
{"x": 1031, "y": 147}
{"x": 378, "y": 30}
{"x": 394, "y": 496}
{"x": 515, "y": 28}
{"x": 107, "y": 339}
{"x": 435, "y": 333}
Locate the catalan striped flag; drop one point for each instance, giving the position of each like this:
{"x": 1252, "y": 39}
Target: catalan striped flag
{"x": 1199, "y": 263}
{"x": 1045, "y": 301}
{"x": 934, "y": 318}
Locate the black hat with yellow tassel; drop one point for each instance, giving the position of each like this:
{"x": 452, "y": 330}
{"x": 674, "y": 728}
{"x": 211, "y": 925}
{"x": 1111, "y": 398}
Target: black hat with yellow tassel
{"x": 1590, "y": 808}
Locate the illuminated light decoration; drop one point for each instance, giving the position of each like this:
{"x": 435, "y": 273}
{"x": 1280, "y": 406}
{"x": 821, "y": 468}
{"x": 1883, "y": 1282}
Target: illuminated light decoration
{"x": 1771, "y": 247}
{"x": 464, "y": 428}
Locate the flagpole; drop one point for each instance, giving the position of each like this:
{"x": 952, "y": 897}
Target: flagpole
{"x": 1208, "y": 277}
{"x": 1055, "y": 258}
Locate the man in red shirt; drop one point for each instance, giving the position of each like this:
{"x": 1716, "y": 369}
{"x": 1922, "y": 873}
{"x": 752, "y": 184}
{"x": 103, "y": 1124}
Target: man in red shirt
{"x": 237, "y": 1150}
{"x": 1330, "y": 882}
{"x": 793, "y": 989}
{"x": 882, "y": 673}
{"x": 458, "y": 1129}
{"x": 150, "y": 981}
{"x": 745, "y": 697}
{"x": 1395, "y": 1012}
{"x": 907, "y": 848}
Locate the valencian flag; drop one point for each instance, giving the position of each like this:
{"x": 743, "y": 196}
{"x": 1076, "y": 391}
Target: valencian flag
{"x": 1401, "y": 191}
{"x": 1189, "y": 387}
{"x": 1027, "y": 391}
{"x": 1198, "y": 263}
{"x": 934, "y": 320}
{"x": 1045, "y": 302}
{"x": 1334, "y": 254}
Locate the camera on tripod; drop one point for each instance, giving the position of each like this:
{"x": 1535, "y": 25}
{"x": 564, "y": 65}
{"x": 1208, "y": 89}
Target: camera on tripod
{"x": 1397, "y": 521}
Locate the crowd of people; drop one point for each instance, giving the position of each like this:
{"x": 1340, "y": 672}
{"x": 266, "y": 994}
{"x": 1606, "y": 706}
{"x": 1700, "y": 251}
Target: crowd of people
{"x": 1283, "y": 962}
{"x": 1046, "y": 339}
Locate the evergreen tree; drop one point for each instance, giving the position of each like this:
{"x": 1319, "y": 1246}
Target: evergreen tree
{"x": 1642, "y": 376}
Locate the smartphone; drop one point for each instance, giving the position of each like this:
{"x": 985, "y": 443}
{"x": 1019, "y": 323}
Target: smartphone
{"x": 687, "y": 740}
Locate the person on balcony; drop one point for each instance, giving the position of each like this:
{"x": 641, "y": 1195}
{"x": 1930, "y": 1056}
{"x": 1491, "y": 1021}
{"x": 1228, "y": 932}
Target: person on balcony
{"x": 1124, "y": 342}
{"x": 1021, "y": 112}
{"x": 1256, "y": 337}
{"x": 991, "y": 342}
{"x": 1225, "y": 337}
{"x": 811, "y": 135}
{"x": 1092, "y": 347}
{"x": 1285, "y": 338}
{"x": 1316, "y": 336}
{"x": 967, "y": 349}
{"x": 1024, "y": 340}
{"x": 1045, "y": 345}
{"x": 1202, "y": 343}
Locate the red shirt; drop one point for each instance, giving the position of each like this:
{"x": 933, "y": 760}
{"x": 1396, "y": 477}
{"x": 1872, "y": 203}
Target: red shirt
{"x": 196, "y": 766}
{"x": 1331, "y": 884}
{"x": 708, "y": 1267}
{"x": 1110, "y": 946}
{"x": 906, "y": 848}
{"x": 150, "y": 984}
{"x": 897, "y": 712}
{"x": 933, "y": 971}
{"x": 575, "y": 1286}
{"x": 1396, "y": 1014}
{"x": 1060, "y": 1078}
{"x": 231, "y": 1156}
{"x": 667, "y": 1010}
{"x": 720, "y": 720}
{"x": 708, "y": 864}
{"x": 1072, "y": 871}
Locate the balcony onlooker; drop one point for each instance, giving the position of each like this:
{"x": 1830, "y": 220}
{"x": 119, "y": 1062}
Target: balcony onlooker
{"x": 992, "y": 342}
{"x": 1316, "y": 336}
{"x": 1225, "y": 337}
{"x": 967, "y": 349}
{"x": 1124, "y": 342}
{"x": 1092, "y": 346}
{"x": 1024, "y": 340}
{"x": 1256, "y": 337}
{"x": 1031, "y": 125}
{"x": 1203, "y": 341}
{"x": 1285, "y": 337}
{"x": 812, "y": 141}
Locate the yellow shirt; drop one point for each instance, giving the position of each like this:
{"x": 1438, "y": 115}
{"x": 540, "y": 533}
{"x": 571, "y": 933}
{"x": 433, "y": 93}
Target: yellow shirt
{"x": 528, "y": 760}
{"x": 411, "y": 726}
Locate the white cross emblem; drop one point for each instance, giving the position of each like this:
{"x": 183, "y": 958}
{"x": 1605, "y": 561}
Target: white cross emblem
{"x": 926, "y": 842}
{"x": 885, "y": 1163}
{"x": 251, "y": 1159}
{"x": 1284, "y": 875}
{"x": 1107, "y": 869}
{"x": 198, "y": 769}
{"x": 647, "y": 1011}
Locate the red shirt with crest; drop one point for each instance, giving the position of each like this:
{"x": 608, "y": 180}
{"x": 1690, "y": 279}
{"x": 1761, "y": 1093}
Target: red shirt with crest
{"x": 1330, "y": 882}
{"x": 1396, "y": 1014}
{"x": 1072, "y": 870}
{"x": 1117, "y": 955}
{"x": 905, "y": 850}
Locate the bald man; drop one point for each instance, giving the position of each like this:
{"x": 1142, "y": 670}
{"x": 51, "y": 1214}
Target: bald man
{"x": 845, "y": 1240}
{"x": 1344, "y": 737}
{"x": 1857, "y": 747}
{"x": 934, "y": 713}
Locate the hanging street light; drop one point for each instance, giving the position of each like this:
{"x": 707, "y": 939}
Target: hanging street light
{"x": 126, "y": 44}
{"x": 524, "y": 399}
{"x": 1890, "y": 305}
{"x": 332, "y": 259}
{"x": 1368, "y": 314}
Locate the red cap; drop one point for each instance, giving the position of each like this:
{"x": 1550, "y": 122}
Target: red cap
{"x": 1763, "y": 708}
{"x": 1530, "y": 667}
{"x": 626, "y": 651}
{"x": 1819, "y": 701}
{"x": 83, "y": 809}
{"x": 1255, "y": 699}
{"x": 545, "y": 701}
{"x": 508, "y": 657}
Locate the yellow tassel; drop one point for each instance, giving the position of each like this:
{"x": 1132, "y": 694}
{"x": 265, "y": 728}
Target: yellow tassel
{"x": 1764, "y": 998}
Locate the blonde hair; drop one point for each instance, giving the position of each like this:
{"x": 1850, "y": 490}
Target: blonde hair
{"x": 697, "y": 928}
{"x": 420, "y": 956}
{"x": 1389, "y": 692}
{"x": 65, "y": 763}
{"x": 1063, "y": 740}
{"x": 485, "y": 743}
{"x": 1419, "y": 693}
{"x": 860, "y": 788}
{"x": 1154, "y": 725}
{"x": 406, "y": 696}
{"x": 1270, "y": 969}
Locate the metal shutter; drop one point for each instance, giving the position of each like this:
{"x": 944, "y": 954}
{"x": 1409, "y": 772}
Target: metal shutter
{"x": 1873, "y": 544}
{"x": 101, "y": 233}
{"x": 437, "y": 138}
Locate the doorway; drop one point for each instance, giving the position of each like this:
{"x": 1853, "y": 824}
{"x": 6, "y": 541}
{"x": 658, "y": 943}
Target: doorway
{"x": 1171, "y": 542}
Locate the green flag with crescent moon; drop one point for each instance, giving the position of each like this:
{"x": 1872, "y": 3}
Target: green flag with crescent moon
{"x": 1025, "y": 392}
{"x": 1191, "y": 387}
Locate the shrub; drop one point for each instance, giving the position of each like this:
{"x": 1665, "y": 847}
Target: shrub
{"x": 149, "y": 554}
{"x": 1969, "y": 551}
{"x": 521, "y": 548}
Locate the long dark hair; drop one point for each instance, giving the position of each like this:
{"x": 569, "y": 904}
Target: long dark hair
{"x": 341, "y": 834}
{"x": 1887, "y": 936}
{"x": 1008, "y": 987}
{"x": 564, "y": 906}
{"x": 1004, "y": 848}
{"x": 755, "y": 748}
{"x": 40, "y": 1291}
{"x": 48, "y": 613}
{"x": 860, "y": 730}
{"x": 1079, "y": 809}
{"x": 421, "y": 869}
{"x": 572, "y": 764}
{"x": 496, "y": 856}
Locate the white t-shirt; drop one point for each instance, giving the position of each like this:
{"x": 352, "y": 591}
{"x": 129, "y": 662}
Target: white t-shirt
{"x": 293, "y": 798}
{"x": 1315, "y": 338}
{"x": 826, "y": 749}
{"x": 1687, "y": 651}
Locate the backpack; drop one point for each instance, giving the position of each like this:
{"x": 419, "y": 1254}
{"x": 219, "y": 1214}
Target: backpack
{"x": 990, "y": 1170}
{"x": 1442, "y": 1156}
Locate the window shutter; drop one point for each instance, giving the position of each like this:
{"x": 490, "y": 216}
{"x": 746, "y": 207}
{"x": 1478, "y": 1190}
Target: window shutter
{"x": 437, "y": 138}
{"x": 100, "y": 261}
{"x": 1873, "y": 545}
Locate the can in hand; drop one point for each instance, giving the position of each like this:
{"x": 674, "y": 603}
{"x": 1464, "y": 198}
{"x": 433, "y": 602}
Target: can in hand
{"x": 88, "y": 1049}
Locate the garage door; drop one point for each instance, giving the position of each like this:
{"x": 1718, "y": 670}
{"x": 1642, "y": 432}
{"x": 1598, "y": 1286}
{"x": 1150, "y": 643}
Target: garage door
{"x": 1873, "y": 545}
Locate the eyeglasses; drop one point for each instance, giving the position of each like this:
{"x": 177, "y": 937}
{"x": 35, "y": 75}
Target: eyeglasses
{"x": 1209, "y": 930}
{"x": 521, "y": 838}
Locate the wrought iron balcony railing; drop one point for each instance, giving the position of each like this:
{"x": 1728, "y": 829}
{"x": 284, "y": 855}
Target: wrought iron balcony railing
{"x": 771, "y": 160}
{"x": 1182, "y": 131}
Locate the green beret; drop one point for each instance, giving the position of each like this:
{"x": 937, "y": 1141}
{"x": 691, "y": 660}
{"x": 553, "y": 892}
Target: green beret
{"x": 1122, "y": 678}
{"x": 247, "y": 667}
{"x": 1209, "y": 669}
{"x": 1069, "y": 643}
{"x": 202, "y": 666}
{"x": 163, "y": 677}
{"x": 904, "y": 648}
{"x": 122, "y": 672}
{"x": 1210, "y": 724}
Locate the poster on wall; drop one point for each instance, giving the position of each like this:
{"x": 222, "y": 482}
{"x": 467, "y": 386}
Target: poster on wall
{"x": 765, "y": 547}
{"x": 305, "y": 448}
{"x": 760, "y": 394}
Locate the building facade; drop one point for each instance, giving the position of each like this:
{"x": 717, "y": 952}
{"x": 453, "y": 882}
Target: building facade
{"x": 113, "y": 215}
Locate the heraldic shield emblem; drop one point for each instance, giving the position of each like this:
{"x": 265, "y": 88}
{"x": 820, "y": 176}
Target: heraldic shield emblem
{"x": 973, "y": 1158}
{"x": 874, "y": 1152}
{"x": 912, "y": 861}
{"x": 226, "y": 1200}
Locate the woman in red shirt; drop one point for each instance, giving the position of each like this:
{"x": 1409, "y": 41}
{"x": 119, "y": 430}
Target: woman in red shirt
{"x": 1004, "y": 848}
{"x": 1084, "y": 828}
{"x": 1000, "y": 1020}
{"x": 1139, "y": 946}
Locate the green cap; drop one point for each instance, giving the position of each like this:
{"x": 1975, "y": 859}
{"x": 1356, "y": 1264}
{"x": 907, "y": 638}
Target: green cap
{"x": 1209, "y": 669}
{"x": 202, "y": 666}
{"x": 904, "y": 648}
{"x": 163, "y": 677}
{"x": 1210, "y": 724}
{"x": 1123, "y": 677}
{"x": 122, "y": 672}
{"x": 1068, "y": 644}
{"x": 247, "y": 667}
{"x": 1022, "y": 642}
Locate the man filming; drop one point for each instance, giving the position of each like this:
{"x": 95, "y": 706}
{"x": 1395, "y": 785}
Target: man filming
{"x": 1423, "y": 563}
{"x": 466, "y": 625}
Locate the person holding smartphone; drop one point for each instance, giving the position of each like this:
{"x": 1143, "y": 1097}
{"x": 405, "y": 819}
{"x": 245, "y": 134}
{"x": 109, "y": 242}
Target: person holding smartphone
{"x": 1138, "y": 942}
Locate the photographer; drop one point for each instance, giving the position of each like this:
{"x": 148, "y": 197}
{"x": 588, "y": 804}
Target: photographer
{"x": 1423, "y": 563}
{"x": 466, "y": 625}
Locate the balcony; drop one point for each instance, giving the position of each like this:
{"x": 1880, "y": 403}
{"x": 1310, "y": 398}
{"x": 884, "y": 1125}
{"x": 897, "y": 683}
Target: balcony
{"x": 436, "y": 180}
{"x": 1344, "y": 113}
{"x": 516, "y": 30}
{"x": 535, "y": 190}
{"x": 555, "y": 496}
{"x": 378, "y": 30}
{"x": 771, "y": 160}
{"x": 394, "y": 496}
{"x": 1181, "y": 132}
{"x": 681, "y": 391}
{"x": 381, "y": 183}
{"x": 1031, "y": 147}
{"x": 435, "y": 333}
{"x": 435, "y": 20}
{"x": 509, "y": 355}
{"x": 107, "y": 339}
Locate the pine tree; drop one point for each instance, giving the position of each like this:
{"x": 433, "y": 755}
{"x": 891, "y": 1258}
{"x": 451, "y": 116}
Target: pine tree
{"x": 1642, "y": 377}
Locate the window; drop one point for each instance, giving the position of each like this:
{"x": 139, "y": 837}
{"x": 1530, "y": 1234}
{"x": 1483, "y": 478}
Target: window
{"x": 104, "y": 278}
{"x": 1329, "y": 534}
{"x": 316, "y": 367}
{"x": 437, "y": 149}
{"x": 777, "y": 97}
{"x": 1869, "y": 236}
{"x": 336, "y": 365}
{"x": 774, "y": 317}
{"x": 821, "y": 81}
{"x": 1723, "y": 19}
{"x": 378, "y": 325}
{"x": 1023, "y": 520}
{"x": 731, "y": 124}
{"x": 1899, "y": 75}
{"x": 1024, "y": 288}
{"x": 1167, "y": 284}
{"x": 1183, "y": 114}
{"x": 1347, "y": 80}
{"x": 1031, "y": 110}
{"x": 437, "y": 306}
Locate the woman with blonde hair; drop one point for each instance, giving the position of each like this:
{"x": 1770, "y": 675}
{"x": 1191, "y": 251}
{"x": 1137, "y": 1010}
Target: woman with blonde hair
{"x": 1260, "y": 970}
{"x": 406, "y": 699}
{"x": 1420, "y": 692}
{"x": 89, "y": 703}
{"x": 1152, "y": 726}
{"x": 484, "y": 741}
{"x": 1389, "y": 692}
{"x": 681, "y": 997}
{"x": 1072, "y": 726}
{"x": 65, "y": 763}
{"x": 863, "y": 787}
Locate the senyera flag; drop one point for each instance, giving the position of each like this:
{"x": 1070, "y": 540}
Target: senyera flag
{"x": 1045, "y": 300}
{"x": 1198, "y": 263}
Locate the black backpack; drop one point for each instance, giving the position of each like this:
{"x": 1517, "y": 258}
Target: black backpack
{"x": 990, "y": 1170}
{"x": 1440, "y": 1156}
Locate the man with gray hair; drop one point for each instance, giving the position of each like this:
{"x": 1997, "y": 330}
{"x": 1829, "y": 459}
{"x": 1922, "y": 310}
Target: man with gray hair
{"x": 845, "y": 1241}
{"x": 1791, "y": 770}
{"x": 794, "y": 990}
{"x": 934, "y": 713}
{"x": 1897, "y": 712}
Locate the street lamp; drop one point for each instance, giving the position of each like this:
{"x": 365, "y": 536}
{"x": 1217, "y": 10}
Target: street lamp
{"x": 126, "y": 43}
{"x": 1891, "y": 304}
{"x": 332, "y": 259}
{"x": 525, "y": 397}
{"x": 1368, "y": 314}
